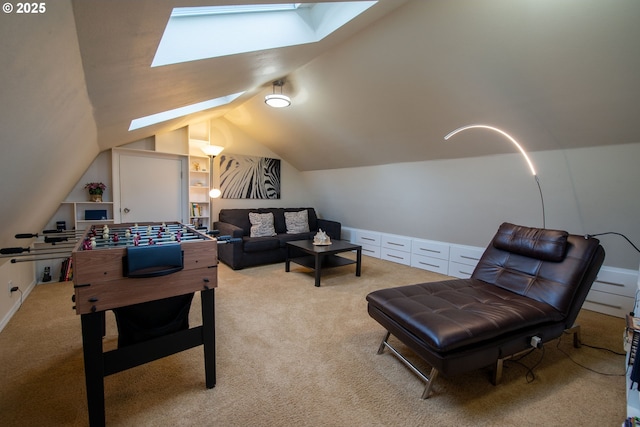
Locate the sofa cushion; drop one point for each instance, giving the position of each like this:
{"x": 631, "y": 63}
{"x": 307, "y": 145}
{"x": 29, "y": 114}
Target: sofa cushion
{"x": 240, "y": 218}
{"x": 297, "y": 222}
{"x": 542, "y": 244}
{"x": 455, "y": 313}
{"x": 260, "y": 244}
{"x": 261, "y": 224}
{"x": 284, "y": 238}
{"x": 237, "y": 217}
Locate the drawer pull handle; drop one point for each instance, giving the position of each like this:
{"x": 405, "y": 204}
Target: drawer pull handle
{"x": 429, "y": 265}
{"x": 611, "y": 283}
{"x": 430, "y": 250}
{"x": 395, "y": 244}
{"x": 606, "y": 305}
{"x": 469, "y": 257}
{"x": 368, "y": 238}
{"x": 394, "y": 256}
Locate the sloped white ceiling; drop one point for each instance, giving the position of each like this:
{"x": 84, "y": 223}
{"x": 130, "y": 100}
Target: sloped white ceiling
{"x": 389, "y": 85}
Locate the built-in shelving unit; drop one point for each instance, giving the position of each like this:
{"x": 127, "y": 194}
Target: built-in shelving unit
{"x": 199, "y": 182}
{"x": 633, "y": 395}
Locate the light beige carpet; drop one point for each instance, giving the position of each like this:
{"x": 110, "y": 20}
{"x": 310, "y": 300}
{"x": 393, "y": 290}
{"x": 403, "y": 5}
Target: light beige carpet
{"x": 291, "y": 354}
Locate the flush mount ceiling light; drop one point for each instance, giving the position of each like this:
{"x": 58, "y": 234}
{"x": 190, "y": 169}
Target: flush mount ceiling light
{"x": 277, "y": 100}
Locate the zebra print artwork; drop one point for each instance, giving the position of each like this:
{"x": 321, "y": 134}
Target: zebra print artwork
{"x": 248, "y": 177}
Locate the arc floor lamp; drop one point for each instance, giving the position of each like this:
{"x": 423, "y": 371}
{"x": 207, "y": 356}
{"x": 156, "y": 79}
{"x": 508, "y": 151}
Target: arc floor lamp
{"x": 510, "y": 138}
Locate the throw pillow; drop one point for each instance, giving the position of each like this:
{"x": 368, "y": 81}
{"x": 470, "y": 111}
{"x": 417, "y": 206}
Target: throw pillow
{"x": 261, "y": 224}
{"x": 297, "y": 222}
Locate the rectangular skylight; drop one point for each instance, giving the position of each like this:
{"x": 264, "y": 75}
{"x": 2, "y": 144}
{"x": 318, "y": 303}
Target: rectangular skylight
{"x": 196, "y": 33}
{"x": 181, "y": 111}
{"x": 223, "y": 10}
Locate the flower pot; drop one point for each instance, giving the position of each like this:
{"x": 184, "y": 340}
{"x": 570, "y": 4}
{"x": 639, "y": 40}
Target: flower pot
{"x": 96, "y": 197}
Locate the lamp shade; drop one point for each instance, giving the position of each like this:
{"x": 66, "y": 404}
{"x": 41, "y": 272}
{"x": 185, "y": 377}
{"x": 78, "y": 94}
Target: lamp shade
{"x": 212, "y": 150}
{"x": 215, "y": 193}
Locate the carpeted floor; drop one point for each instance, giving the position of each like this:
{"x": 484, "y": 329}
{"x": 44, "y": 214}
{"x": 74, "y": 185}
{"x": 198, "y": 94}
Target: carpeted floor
{"x": 291, "y": 354}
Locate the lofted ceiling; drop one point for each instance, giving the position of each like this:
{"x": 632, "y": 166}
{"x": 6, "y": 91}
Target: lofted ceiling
{"x": 386, "y": 87}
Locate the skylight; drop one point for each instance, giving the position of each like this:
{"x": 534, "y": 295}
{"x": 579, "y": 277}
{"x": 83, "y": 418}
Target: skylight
{"x": 182, "y": 111}
{"x": 195, "y": 33}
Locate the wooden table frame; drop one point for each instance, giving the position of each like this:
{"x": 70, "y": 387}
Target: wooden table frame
{"x": 323, "y": 256}
{"x": 99, "y": 364}
{"x": 101, "y": 283}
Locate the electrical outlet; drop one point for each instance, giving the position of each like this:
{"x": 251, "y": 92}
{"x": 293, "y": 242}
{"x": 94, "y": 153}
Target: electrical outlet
{"x": 10, "y": 286}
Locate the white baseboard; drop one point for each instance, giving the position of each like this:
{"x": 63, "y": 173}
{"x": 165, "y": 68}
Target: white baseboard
{"x": 16, "y": 305}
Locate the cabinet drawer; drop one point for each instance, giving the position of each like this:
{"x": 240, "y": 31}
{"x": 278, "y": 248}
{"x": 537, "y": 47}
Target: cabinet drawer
{"x": 398, "y": 243}
{"x": 468, "y": 255}
{"x": 396, "y": 256}
{"x": 603, "y": 302}
{"x": 461, "y": 271}
{"x": 616, "y": 281}
{"x": 367, "y": 238}
{"x": 430, "y": 248}
{"x": 372, "y": 251}
{"x": 348, "y": 234}
{"x": 429, "y": 263}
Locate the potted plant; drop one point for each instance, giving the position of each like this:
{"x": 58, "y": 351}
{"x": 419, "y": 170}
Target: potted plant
{"x": 95, "y": 190}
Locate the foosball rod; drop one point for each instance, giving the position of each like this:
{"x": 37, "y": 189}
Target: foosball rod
{"x": 48, "y": 238}
{"x": 49, "y": 233}
{"x": 15, "y": 260}
{"x": 30, "y": 252}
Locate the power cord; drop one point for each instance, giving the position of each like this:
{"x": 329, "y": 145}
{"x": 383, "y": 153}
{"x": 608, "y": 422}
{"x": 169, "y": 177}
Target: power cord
{"x": 530, "y": 376}
{"x": 596, "y": 348}
{"x": 615, "y": 233}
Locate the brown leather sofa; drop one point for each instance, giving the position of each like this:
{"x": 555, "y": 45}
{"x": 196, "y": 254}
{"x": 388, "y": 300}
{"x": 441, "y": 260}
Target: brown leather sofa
{"x": 527, "y": 289}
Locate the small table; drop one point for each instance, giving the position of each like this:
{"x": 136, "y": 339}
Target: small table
{"x": 322, "y": 256}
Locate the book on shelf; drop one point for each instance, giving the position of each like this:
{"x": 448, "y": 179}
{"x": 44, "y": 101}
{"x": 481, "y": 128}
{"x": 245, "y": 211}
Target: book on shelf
{"x": 633, "y": 334}
{"x": 66, "y": 270}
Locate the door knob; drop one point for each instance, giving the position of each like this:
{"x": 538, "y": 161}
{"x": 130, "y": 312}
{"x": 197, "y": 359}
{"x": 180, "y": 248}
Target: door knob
{"x": 127, "y": 210}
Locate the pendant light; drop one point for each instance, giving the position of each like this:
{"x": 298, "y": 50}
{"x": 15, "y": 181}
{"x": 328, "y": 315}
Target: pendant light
{"x": 277, "y": 100}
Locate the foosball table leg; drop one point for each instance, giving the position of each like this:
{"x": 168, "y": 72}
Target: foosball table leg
{"x": 209, "y": 336}
{"x": 92, "y": 331}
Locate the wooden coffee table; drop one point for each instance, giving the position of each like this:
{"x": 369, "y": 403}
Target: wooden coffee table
{"x": 322, "y": 256}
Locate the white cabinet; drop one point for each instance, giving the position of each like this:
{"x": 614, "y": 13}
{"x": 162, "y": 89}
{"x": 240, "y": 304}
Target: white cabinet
{"x": 613, "y": 292}
{"x": 370, "y": 242}
{"x": 463, "y": 260}
{"x": 430, "y": 255}
{"x": 395, "y": 248}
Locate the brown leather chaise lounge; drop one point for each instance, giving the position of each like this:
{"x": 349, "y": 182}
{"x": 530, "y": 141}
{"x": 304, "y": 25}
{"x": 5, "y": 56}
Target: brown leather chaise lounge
{"x": 528, "y": 287}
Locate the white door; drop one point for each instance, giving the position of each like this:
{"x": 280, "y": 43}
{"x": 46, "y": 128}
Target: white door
{"x": 151, "y": 187}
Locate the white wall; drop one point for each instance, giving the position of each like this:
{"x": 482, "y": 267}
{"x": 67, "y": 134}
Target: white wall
{"x": 47, "y": 133}
{"x": 586, "y": 191}
{"x": 21, "y": 275}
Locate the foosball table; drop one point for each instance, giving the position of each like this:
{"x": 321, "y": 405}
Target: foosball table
{"x": 143, "y": 267}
